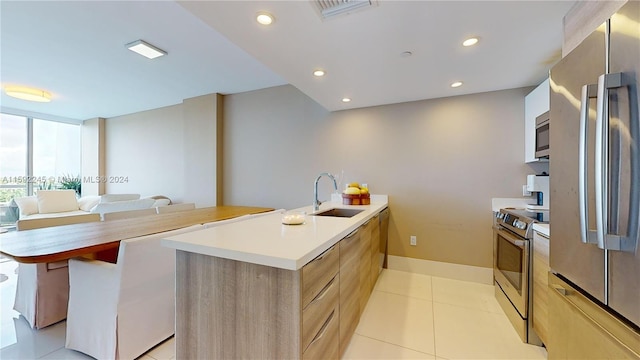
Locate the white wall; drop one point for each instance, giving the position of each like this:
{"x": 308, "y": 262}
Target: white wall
{"x": 441, "y": 161}
{"x": 147, "y": 149}
{"x": 92, "y": 156}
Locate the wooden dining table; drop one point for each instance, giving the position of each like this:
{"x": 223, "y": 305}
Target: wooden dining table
{"x": 59, "y": 243}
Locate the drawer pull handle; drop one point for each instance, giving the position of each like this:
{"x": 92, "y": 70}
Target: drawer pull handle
{"x": 562, "y": 291}
{"x": 352, "y": 233}
{"x": 323, "y": 292}
{"x": 323, "y": 330}
{"x": 319, "y": 258}
{"x": 366, "y": 222}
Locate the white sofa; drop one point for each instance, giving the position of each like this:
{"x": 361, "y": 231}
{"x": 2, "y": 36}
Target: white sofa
{"x": 58, "y": 203}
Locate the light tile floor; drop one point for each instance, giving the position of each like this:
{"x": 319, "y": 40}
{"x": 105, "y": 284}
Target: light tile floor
{"x": 409, "y": 316}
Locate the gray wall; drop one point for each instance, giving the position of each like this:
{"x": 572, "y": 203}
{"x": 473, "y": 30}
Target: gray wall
{"x": 172, "y": 151}
{"x": 440, "y": 161}
{"x": 147, "y": 148}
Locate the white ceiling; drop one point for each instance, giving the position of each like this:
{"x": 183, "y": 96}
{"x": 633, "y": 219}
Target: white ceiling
{"x": 76, "y": 51}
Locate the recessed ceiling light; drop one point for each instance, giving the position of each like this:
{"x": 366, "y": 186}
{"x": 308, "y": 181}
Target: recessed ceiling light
{"x": 346, "y": 100}
{"x": 145, "y": 49}
{"x": 456, "y": 84}
{"x": 264, "y": 18}
{"x": 470, "y": 41}
{"x": 319, "y": 72}
{"x": 25, "y": 93}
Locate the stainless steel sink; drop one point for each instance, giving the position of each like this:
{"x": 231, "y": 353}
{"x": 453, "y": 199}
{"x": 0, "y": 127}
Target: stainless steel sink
{"x": 337, "y": 212}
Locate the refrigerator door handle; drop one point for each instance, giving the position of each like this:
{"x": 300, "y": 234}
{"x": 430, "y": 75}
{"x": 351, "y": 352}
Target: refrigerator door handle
{"x": 586, "y": 236}
{"x": 601, "y": 161}
{"x": 605, "y": 240}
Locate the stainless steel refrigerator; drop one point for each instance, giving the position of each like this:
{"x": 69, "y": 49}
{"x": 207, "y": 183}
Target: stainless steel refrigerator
{"x": 595, "y": 186}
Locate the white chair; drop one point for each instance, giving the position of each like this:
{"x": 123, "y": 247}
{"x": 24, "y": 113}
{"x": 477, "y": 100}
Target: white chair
{"x": 120, "y": 311}
{"x": 175, "y": 208}
{"x": 128, "y": 214}
{"x": 42, "y": 290}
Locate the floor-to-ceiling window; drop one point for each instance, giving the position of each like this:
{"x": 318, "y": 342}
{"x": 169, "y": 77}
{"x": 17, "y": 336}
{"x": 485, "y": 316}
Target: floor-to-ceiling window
{"x": 35, "y": 154}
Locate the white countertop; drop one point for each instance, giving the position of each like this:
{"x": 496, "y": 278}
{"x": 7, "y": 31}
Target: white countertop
{"x": 517, "y": 203}
{"x": 541, "y": 228}
{"x": 264, "y": 240}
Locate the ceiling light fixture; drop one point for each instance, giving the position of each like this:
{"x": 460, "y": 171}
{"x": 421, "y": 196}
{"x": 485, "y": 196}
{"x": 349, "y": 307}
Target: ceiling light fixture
{"x": 319, "y": 72}
{"x": 25, "y": 93}
{"x": 456, "y": 84}
{"x": 470, "y": 41}
{"x": 145, "y": 49}
{"x": 264, "y": 18}
{"x": 346, "y": 100}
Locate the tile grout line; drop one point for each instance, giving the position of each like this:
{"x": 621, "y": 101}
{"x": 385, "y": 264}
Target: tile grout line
{"x": 433, "y": 316}
{"x": 393, "y": 344}
{"x": 390, "y": 343}
{"x": 405, "y": 295}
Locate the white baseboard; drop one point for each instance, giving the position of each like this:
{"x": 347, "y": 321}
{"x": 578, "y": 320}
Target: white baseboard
{"x": 441, "y": 269}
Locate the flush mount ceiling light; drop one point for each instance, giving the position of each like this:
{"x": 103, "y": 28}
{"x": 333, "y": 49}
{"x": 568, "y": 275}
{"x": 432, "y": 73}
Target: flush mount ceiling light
{"x": 145, "y": 49}
{"x": 346, "y": 100}
{"x": 456, "y": 84}
{"x": 319, "y": 72}
{"x": 25, "y": 93}
{"x": 264, "y": 18}
{"x": 470, "y": 41}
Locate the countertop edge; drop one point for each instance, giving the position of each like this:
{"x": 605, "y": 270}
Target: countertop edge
{"x": 379, "y": 203}
{"x": 542, "y": 229}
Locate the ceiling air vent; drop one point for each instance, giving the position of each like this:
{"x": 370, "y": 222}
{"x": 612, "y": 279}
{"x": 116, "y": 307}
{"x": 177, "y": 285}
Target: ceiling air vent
{"x": 331, "y": 8}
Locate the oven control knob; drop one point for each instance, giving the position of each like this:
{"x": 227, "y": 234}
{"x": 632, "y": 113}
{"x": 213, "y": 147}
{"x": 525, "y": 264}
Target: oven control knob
{"x": 520, "y": 224}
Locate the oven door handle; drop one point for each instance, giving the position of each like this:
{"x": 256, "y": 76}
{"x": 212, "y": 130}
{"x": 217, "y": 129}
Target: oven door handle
{"x": 510, "y": 238}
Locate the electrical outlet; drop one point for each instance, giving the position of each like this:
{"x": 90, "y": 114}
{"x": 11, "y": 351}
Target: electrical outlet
{"x": 413, "y": 240}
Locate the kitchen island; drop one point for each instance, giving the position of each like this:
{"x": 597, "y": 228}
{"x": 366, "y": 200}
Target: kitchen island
{"x": 261, "y": 289}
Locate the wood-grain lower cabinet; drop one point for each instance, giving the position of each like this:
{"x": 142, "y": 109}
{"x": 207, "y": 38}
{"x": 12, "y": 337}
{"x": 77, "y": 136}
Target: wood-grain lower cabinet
{"x": 321, "y": 306}
{"x": 349, "y": 287}
{"x": 580, "y": 329}
{"x": 540, "y": 313}
{"x": 375, "y": 250}
{"x": 227, "y": 309}
{"x": 365, "y": 264}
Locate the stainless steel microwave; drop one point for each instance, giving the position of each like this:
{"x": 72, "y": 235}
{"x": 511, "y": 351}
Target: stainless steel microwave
{"x": 542, "y": 136}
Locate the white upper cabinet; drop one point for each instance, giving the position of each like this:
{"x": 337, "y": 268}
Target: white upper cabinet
{"x": 535, "y": 104}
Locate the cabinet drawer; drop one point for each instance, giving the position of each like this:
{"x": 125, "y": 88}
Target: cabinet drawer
{"x": 316, "y": 313}
{"x": 317, "y": 274}
{"x": 325, "y": 344}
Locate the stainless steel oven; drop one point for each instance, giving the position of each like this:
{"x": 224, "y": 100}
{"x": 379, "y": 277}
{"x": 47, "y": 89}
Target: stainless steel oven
{"x": 512, "y": 272}
{"x": 511, "y": 268}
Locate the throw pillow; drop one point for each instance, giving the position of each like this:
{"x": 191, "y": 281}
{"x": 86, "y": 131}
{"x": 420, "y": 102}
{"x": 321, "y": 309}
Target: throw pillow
{"x": 55, "y": 201}
{"x": 86, "y": 203}
{"x": 28, "y": 205}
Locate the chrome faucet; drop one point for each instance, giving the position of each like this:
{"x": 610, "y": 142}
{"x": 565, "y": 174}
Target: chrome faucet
{"x": 316, "y": 202}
